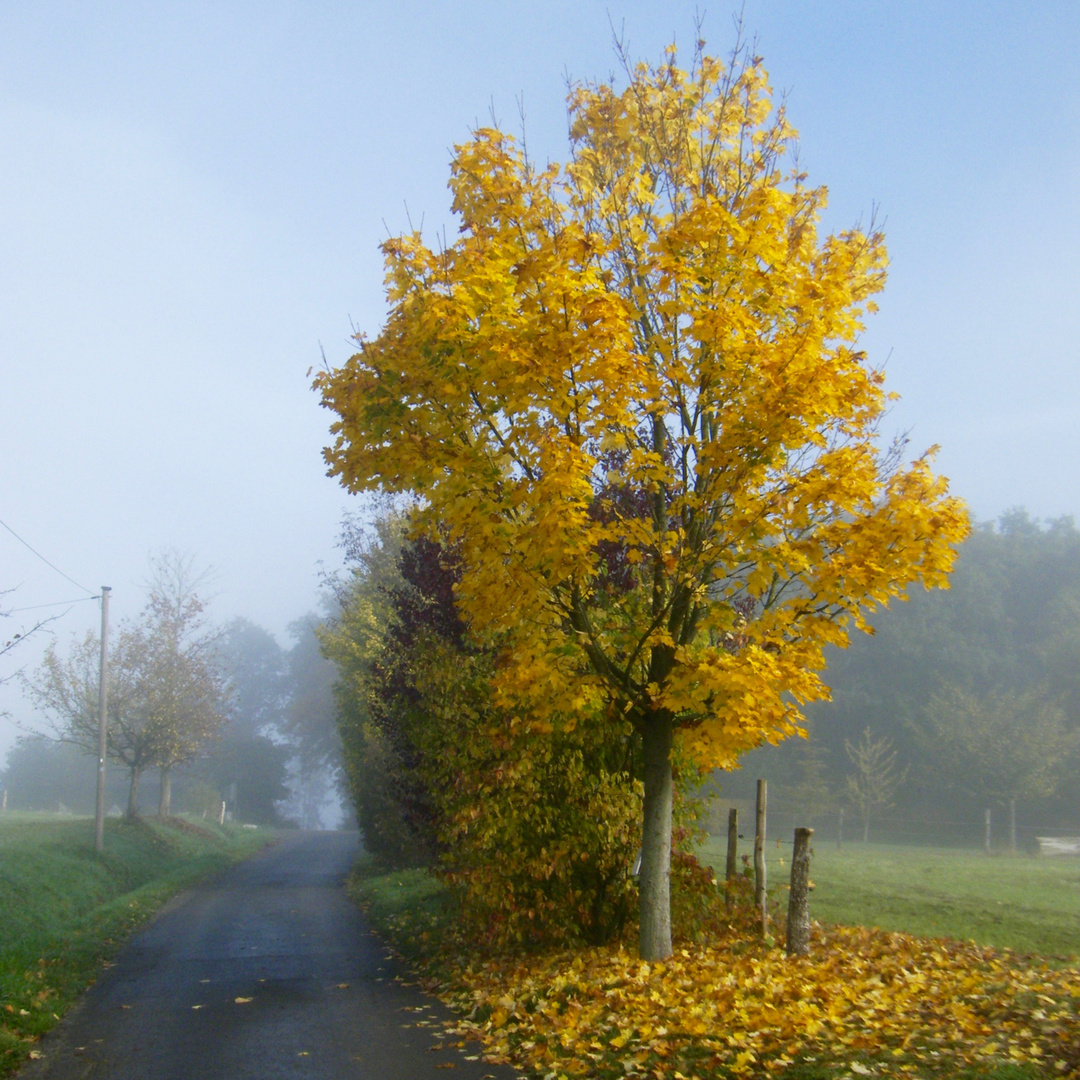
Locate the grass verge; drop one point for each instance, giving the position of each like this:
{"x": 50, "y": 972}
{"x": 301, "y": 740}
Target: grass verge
{"x": 65, "y": 910}
{"x": 865, "y": 1003}
{"x": 1024, "y": 903}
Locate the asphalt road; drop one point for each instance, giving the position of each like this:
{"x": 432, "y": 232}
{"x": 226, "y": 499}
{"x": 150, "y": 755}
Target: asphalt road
{"x": 267, "y": 972}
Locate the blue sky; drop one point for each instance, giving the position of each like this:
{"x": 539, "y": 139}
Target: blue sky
{"x": 192, "y": 195}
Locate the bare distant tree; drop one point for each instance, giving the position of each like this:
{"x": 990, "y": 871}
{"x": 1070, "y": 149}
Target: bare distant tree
{"x": 874, "y": 783}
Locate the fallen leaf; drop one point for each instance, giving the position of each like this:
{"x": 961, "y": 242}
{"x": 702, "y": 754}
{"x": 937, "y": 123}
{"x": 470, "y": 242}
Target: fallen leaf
{"x": 241, "y": 1000}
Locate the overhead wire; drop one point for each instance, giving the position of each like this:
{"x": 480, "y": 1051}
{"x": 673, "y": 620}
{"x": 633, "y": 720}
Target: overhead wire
{"x": 58, "y": 603}
{"x": 52, "y": 566}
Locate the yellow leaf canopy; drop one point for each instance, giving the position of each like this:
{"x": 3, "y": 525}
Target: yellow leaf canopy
{"x": 630, "y": 394}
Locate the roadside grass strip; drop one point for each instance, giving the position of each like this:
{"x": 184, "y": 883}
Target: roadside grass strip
{"x": 65, "y": 911}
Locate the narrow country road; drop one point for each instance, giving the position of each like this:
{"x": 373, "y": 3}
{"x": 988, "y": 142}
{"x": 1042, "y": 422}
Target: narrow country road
{"x": 266, "y": 972}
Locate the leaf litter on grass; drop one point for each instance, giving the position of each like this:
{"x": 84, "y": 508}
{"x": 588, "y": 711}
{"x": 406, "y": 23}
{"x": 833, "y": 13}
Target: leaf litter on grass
{"x": 865, "y": 1003}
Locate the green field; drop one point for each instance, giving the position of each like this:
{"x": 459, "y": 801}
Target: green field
{"x": 64, "y": 910}
{"x": 1025, "y": 903}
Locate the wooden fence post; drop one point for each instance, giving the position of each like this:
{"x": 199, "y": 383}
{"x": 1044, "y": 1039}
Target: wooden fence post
{"x": 798, "y": 912}
{"x": 731, "y": 867}
{"x": 840, "y": 831}
{"x": 1012, "y": 826}
{"x": 3, "y": 803}
{"x": 986, "y": 831}
{"x": 221, "y": 815}
{"x": 759, "y": 859}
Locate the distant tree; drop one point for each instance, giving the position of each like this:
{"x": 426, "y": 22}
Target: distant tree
{"x": 180, "y": 680}
{"x": 809, "y": 790}
{"x": 250, "y": 773}
{"x": 255, "y": 668}
{"x": 65, "y": 689}
{"x": 41, "y": 774}
{"x": 1010, "y": 621}
{"x": 874, "y": 783}
{"x": 1003, "y": 746}
{"x": 309, "y": 723}
{"x": 166, "y": 697}
{"x": 249, "y": 765}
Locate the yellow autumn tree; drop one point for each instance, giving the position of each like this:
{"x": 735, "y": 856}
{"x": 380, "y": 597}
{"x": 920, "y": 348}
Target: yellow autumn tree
{"x": 630, "y": 394}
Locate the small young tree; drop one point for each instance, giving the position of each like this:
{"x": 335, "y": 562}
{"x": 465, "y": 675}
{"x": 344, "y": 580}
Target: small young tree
{"x": 875, "y": 781}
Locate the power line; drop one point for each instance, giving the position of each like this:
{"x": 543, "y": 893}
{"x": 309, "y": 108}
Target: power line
{"x": 58, "y": 603}
{"x": 43, "y": 559}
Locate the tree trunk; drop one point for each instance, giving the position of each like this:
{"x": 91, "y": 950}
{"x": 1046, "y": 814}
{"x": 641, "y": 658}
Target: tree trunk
{"x": 654, "y": 942}
{"x": 133, "y": 794}
{"x": 165, "y": 798}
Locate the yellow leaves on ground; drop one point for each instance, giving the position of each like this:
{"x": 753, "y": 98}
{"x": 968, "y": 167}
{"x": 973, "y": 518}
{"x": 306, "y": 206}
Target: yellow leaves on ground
{"x": 881, "y": 1004}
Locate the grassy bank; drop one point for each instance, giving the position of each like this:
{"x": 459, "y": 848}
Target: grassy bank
{"x": 64, "y": 910}
{"x": 1025, "y": 903}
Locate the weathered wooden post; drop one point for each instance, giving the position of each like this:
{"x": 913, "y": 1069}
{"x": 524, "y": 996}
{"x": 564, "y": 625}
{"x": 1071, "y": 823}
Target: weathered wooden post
{"x": 986, "y": 831}
{"x": 798, "y": 912}
{"x": 840, "y": 831}
{"x": 1012, "y": 826}
{"x": 221, "y": 814}
{"x": 731, "y": 867}
{"x": 759, "y": 859}
{"x": 3, "y": 802}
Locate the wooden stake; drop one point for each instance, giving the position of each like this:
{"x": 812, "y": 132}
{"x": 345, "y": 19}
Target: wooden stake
{"x": 731, "y": 868}
{"x": 759, "y": 859}
{"x": 798, "y": 915}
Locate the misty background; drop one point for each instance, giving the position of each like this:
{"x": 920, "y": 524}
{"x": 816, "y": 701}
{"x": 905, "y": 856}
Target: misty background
{"x": 191, "y": 200}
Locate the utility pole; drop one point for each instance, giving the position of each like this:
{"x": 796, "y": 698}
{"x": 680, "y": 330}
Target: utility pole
{"x": 103, "y": 703}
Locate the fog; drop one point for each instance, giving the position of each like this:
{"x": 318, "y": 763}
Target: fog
{"x": 193, "y": 196}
